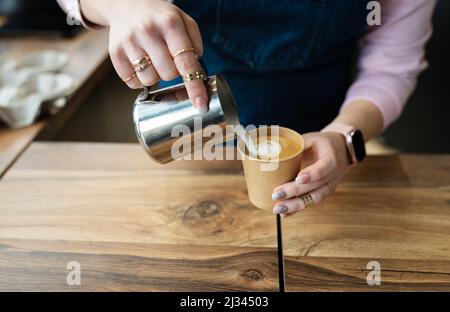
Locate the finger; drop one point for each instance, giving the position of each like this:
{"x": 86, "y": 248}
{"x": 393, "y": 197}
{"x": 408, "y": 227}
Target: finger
{"x": 285, "y": 215}
{"x": 159, "y": 54}
{"x": 317, "y": 171}
{"x": 193, "y": 33}
{"x": 296, "y": 188}
{"x": 310, "y": 139}
{"x": 148, "y": 76}
{"x": 186, "y": 63}
{"x": 294, "y": 205}
{"x": 123, "y": 67}
{"x": 310, "y": 153}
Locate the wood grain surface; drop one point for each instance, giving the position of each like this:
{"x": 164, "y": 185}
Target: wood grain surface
{"x": 13, "y": 142}
{"x": 114, "y": 192}
{"x": 88, "y": 55}
{"x": 398, "y": 208}
{"x": 350, "y": 274}
{"x": 42, "y": 265}
{"x": 393, "y": 209}
{"x": 116, "y": 210}
{"x": 191, "y": 221}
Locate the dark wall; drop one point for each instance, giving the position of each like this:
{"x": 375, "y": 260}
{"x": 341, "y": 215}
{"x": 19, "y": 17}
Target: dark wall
{"x": 424, "y": 126}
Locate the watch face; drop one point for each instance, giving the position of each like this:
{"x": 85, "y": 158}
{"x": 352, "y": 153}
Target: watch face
{"x": 358, "y": 145}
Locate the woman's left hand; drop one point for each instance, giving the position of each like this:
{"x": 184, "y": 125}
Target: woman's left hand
{"x": 326, "y": 159}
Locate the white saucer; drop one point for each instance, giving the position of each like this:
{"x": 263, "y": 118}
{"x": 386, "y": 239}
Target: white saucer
{"x": 17, "y": 71}
{"x": 20, "y": 105}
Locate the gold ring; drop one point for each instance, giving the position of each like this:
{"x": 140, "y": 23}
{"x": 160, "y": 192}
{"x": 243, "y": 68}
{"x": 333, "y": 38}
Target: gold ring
{"x": 199, "y": 74}
{"x": 308, "y": 201}
{"x": 142, "y": 60}
{"x": 331, "y": 187}
{"x": 129, "y": 78}
{"x": 140, "y": 67}
{"x": 183, "y": 51}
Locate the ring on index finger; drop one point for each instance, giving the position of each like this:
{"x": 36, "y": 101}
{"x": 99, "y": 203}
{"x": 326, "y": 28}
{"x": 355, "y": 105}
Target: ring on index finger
{"x": 199, "y": 74}
{"x": 183, "y": 51}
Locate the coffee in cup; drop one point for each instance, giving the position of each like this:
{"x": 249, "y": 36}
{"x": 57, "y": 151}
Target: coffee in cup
{"x": 277, "y": 161}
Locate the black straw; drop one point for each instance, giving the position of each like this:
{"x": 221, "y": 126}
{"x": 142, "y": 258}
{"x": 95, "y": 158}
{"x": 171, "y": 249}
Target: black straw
{"x": 280, "y": 255}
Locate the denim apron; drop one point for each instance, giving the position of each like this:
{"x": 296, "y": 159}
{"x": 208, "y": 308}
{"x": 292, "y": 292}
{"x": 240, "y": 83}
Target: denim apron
{"x": 288, "y": 62}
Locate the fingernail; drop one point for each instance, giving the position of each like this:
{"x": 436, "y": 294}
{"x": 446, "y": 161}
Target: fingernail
{"x": 200, "y": 103}
{"x": 302, "y": 179}
{"x": 278, "y": 195}
{"x": 280, "y": 209}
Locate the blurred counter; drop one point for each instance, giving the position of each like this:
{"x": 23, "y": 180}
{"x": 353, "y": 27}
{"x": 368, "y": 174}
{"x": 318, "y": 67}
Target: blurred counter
{"x": 89, "y": 62}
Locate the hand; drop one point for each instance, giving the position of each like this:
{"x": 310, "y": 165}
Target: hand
{"x": 156, "y": 29}
{"x": 326, "y": 162}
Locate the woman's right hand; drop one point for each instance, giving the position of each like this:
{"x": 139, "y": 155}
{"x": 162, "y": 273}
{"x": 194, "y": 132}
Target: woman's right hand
{"x": 157, "y": 29}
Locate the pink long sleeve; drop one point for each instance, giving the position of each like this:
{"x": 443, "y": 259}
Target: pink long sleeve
{"x": 72, "y": 8}
{"x": 392, "y": 56}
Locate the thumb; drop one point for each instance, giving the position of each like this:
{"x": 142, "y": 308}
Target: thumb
{"x": 310, "y": 139}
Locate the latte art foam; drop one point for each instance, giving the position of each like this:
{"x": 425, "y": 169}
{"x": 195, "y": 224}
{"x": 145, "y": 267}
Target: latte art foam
{"x": 268, "y": 149}
{"x": 281, "y": 147}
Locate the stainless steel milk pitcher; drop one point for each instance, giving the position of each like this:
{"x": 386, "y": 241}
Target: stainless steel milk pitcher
{"x": 157, "y": 112}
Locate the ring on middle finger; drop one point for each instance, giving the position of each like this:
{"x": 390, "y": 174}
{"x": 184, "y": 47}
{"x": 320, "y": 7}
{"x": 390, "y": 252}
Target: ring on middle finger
{"x": 141, "y": 64}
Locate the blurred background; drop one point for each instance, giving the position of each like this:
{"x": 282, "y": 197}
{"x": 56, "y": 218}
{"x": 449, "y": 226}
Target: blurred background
{"x": 105, "y": 112}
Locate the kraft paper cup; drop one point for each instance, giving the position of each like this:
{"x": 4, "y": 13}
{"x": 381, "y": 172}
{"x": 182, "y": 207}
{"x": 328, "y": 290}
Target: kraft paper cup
{"x": 260, "y": 181}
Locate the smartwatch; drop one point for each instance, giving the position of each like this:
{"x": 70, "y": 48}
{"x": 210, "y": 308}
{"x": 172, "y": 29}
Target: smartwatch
{"x": 354, "y": 140}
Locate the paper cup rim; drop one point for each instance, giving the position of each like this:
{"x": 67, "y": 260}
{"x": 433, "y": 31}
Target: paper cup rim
{"x": 300, "y": 152}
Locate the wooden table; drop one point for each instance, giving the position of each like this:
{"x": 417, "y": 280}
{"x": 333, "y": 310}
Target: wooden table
{"x": 135, "y": 225}
{"x": 88, "y": 54}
